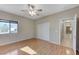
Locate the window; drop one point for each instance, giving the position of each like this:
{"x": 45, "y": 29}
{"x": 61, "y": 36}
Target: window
{"x": 7, "y": 27}
{"x": 4, "y": 27}
{"x": 13, "y": 27}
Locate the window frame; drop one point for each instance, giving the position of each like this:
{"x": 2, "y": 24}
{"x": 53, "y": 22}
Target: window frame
{"x": 10, "y": 21}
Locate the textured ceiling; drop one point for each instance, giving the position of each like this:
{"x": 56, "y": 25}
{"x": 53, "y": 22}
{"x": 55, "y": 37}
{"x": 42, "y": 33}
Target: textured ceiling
{"x": 48, "y": 9}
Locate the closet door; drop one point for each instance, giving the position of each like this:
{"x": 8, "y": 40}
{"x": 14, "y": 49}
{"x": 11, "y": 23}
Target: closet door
{"x": 43, "y": 31}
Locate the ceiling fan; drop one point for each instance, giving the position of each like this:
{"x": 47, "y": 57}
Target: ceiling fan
{"x": 32, "y": 10}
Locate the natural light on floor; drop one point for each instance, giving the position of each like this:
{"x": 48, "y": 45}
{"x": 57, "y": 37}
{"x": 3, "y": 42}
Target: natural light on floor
{"x": 28, "y": 50}
{"x": 25, "y": 49}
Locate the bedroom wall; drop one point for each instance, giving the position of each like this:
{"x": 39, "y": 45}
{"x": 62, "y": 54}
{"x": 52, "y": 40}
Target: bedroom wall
{"x": 54, "y": 21}
{"x": 26, "y": 29}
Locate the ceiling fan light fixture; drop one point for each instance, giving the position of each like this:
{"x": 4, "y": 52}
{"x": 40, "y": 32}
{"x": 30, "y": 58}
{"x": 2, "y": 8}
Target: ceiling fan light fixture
{"x": 31, "y": 9}
{"x": 32, "y": 13}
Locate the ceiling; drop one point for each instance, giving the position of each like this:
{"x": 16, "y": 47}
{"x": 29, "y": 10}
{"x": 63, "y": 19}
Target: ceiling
{"x": 48, "y": 9}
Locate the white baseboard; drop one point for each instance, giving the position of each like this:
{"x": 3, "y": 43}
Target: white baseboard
{"x": 14, "y": 41}
{"x": 50, "y": 41}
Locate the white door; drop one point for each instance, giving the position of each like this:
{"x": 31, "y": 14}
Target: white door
{"x": 43, "y": 31}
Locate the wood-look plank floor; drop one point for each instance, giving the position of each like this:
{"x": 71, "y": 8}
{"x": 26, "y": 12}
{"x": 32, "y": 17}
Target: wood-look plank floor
{"x": 40, "y": 46}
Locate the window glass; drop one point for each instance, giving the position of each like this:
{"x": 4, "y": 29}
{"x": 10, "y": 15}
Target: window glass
{"x": 7, "y": 27}
{"x": 13, "y": 28}
{"x": 4, "y": 27}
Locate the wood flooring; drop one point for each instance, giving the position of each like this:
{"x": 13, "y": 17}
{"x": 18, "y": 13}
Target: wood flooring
{"x": 41, "y": 47}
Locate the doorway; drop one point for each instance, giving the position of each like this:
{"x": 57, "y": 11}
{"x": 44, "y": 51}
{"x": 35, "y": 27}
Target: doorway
{"x": 66, "y": 36}
{"x": 68, "y": 32}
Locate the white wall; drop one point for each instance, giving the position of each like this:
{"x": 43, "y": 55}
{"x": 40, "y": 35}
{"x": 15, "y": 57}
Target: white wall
{"x": 54, "y": 21}
{"x": 26, "y": 29}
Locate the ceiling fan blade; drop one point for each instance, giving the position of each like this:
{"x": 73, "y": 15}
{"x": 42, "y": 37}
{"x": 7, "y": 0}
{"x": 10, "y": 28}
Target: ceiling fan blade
{"x": 39, "y": 10}
{"x": 37, "y": 14}
{"x": 32, "y": 6}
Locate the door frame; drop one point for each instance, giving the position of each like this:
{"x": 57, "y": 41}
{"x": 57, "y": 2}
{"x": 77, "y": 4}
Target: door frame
{"x": 74, "y": 36}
